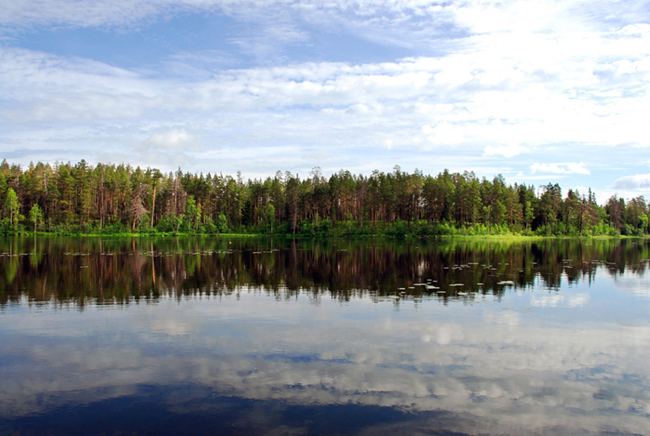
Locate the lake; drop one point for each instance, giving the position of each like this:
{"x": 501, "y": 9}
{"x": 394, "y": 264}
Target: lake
{"x": 368, "y": 337}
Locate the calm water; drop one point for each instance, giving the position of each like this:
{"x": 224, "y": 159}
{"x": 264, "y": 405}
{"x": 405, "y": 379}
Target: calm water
{"x": 239, "y": 337}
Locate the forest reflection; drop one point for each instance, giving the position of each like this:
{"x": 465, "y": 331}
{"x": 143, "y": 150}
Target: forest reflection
{"x": 85, "y": 271}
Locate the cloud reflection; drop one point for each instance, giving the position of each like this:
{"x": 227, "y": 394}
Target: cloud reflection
{"x": 634, "y": 284}
{"x": 488, "y": 369}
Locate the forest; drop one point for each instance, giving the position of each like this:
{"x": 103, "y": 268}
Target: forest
{"x": 67, "y": 198}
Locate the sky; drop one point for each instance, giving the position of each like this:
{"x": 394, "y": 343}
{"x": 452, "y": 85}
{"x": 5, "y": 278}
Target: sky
{"x": 538, "y": 91}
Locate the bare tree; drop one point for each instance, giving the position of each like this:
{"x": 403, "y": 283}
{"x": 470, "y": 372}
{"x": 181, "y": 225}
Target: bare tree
{"x": 137, "y": 208}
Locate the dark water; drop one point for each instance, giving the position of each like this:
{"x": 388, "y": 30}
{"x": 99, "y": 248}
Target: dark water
{"x": 239, "y": 337}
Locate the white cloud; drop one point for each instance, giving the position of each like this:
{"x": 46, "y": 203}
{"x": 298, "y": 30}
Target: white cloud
{"x": 508, "y": 151}
{"x": 565, "y": 168}
{"x": 637, "y": 181}
{"x": 555, "y": 73}
{"x": 444, "y": 134}
{"x": 172, "y": 140}
{"x": 357, "y": 109}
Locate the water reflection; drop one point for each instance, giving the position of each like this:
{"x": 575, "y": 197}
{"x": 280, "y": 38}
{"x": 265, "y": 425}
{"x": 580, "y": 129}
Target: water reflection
{"x": 290, "y": 338}
{"x": 117, "y": 271}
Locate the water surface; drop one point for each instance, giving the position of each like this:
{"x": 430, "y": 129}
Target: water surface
{"x": 218, "y": 336}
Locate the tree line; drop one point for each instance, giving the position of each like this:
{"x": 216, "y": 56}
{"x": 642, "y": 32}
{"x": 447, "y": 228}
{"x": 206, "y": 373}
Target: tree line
{"x": 81, "y": 198}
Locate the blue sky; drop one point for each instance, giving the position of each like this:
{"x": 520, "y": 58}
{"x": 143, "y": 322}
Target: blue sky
{"x": 539, "y": 91}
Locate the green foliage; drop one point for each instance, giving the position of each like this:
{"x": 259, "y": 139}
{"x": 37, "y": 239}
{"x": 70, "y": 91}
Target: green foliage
{"x": 11, "y": 204}
{"x": 36, "y": 215}
{"x": 169, "y": 224}
{"x": 111, "y": 199}
{"x": 399, "y": 229}
{"x": 222, "y": 224}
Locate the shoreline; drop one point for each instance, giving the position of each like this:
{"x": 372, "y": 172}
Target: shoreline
{"x": 317, "y": 236}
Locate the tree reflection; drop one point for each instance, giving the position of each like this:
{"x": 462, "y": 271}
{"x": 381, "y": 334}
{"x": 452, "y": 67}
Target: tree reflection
{"x": 84, "y": 271}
